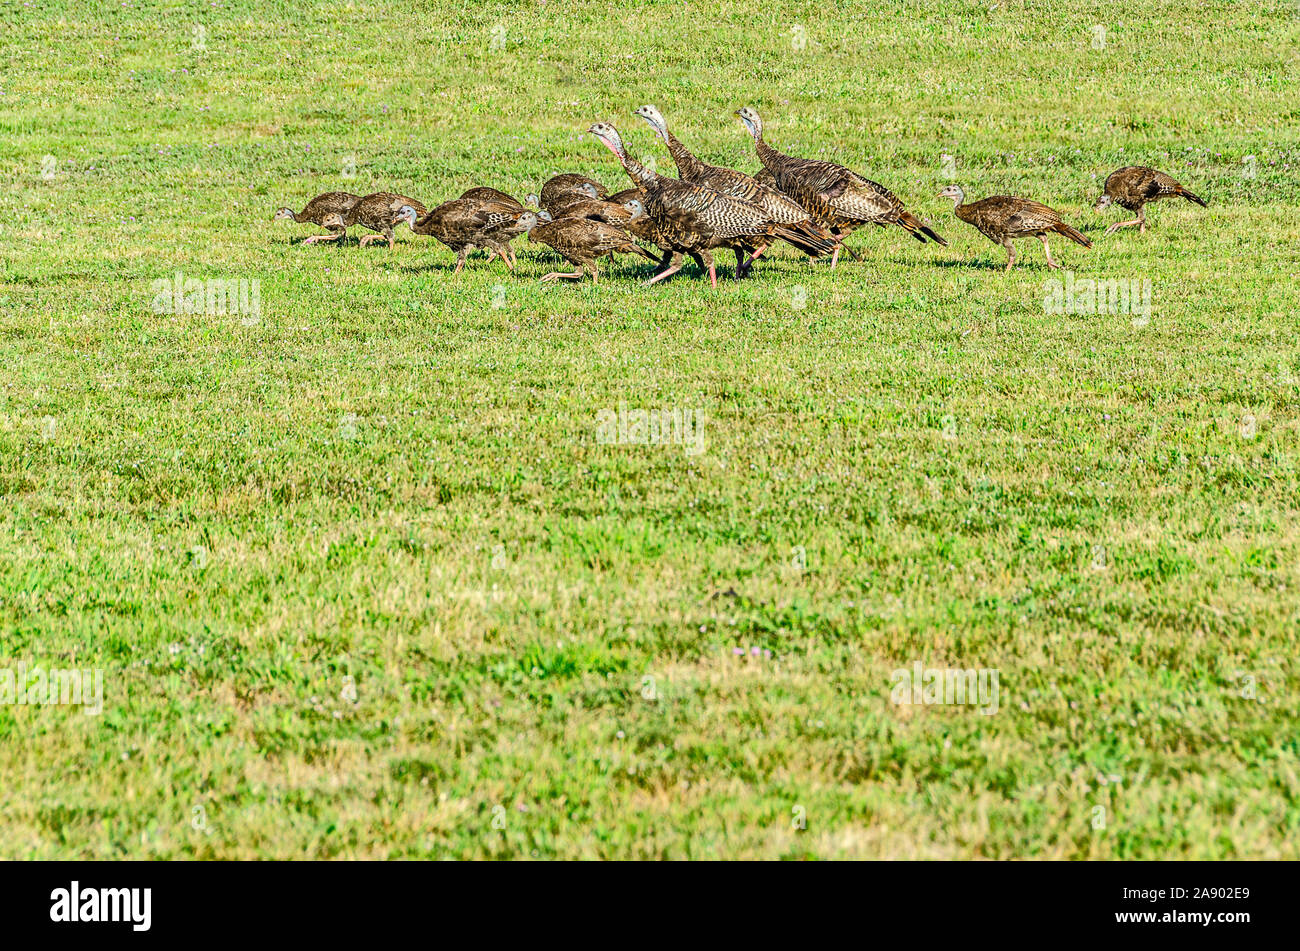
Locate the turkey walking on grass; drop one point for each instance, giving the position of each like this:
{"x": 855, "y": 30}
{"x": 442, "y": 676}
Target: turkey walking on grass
{"x": 378, "y": 212}
{"x": 464, "y": 225}
{"x": 727, "y": 181}
{"x": 694, "y": 220}
{"x": 1133, "y": 186}
{"x": 568, "y": 187}
{"x": 1002, "y": 218}
{"x": 327, "y": 203}
{"x": 838, "y": 198}
{"x": 581, "y": 241}
{"x": 507, "y": 231}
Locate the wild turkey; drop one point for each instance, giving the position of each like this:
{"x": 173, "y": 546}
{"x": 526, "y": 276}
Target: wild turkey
{"x": 1002, "y": 218}
{"x": 1133, "y": 186}
{"x": 626, "y": 195}
{"x": 610, "y": 213}
{"x": 693, "y": 219}
{"x": 565, "y": 187}
{"x": 324, "y": 204}
{"x": 508, "y": 231}
{"x": 378, "y": 212}
{"x": 581, "y": 241}
{"x": 464, "y": 225}
{"x": 483, "y": 193}
{"x": 558, "y": 203}
{"x": 727, "y": 181}
{"x": 640, "y": 226}
{"x": 593, "y": 209}
{"x": 838, "y": 198}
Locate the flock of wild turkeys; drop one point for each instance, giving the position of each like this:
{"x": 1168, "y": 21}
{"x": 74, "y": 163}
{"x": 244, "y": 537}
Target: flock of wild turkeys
{"x": 810, "y": 204}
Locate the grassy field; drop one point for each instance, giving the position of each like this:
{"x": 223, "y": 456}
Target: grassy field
{"x": 363, "y": 581}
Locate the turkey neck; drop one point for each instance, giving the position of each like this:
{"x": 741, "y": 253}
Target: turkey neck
{"x": 769, "y": 156}
{"x": 688, "y": 166}
{"x": 635, "y": 170}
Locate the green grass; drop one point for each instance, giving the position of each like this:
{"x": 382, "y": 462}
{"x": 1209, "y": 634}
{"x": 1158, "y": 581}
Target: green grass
{"x": 388, "y": 478}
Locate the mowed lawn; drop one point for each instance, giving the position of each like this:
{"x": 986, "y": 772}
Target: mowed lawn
{"x": 363, "y": 581}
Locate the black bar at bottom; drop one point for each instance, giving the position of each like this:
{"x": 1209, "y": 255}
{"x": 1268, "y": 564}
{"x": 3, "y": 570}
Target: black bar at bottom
{"x": 343, "y": 901}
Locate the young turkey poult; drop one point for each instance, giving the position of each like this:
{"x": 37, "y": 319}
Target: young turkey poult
{"x": 327, "y": 203}
{"x": 501, "y": 236}
{"x": 378, "y": 212}
{"x": 483, "y": 193}
{"x": 1133, "y": 186}
{"x": 626, "y": 195}
{"x": 1002, "y": 218}
{"x": 559, "y": 205}
{"x": 581, "y": 241}
{"x": 639, "y": 225}
{"x": 568, "y": 187}
{"x": 464, "y": 225}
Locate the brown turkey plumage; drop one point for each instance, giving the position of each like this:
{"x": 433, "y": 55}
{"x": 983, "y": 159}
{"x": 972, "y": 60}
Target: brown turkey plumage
{"x": 581, "y": 241}
{"x": 326, "y": 203}
{"x": 483, "y": 193}
{"x": 639, "y": 226}
{"x": 626, "y": 195}
{"x": 838, "y": 198}
{"x": 464, "y": 225}
{"x": 1133, "y": 186}
{"x": 1003, "y": 218}
{"x": 693, "y": 219}
{"x": 568, "y": 187}
{"x": 559, "y": 205}
{"x": 378, "y": 212}
{"x": 500, "y": 236}
{"x": 727, "y": 181}
{"x": 593, "y": 209}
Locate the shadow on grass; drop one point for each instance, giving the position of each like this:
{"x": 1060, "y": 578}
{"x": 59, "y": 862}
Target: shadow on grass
{"x": 978, "y": 264}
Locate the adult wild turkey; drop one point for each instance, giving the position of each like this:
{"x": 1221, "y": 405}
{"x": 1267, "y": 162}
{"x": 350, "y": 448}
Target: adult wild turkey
{"x": 327, "y": 203}
{"x": 581, "y": 241}
{"x": 1002, "y": 218}
{"x": 378, "y": 212}
{"x": 464, "y": 225}
{"x": 838, "y": 198}
{"x": 693, "y": 219}
{"x": 1133, "y": 186}
{"x": 727, "y": 181}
